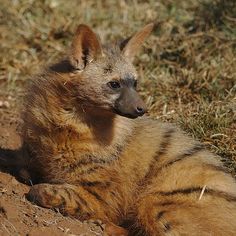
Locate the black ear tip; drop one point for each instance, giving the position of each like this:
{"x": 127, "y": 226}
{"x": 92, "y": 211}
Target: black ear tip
{"x": 123, "y": 43}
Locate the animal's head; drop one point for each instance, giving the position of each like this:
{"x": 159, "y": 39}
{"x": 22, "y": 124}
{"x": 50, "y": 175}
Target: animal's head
{"x": 104, "y": 76}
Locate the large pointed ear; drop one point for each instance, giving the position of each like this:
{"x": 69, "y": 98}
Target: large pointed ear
{"x": 85, "y": 47}
{"x": 130, "y": 46}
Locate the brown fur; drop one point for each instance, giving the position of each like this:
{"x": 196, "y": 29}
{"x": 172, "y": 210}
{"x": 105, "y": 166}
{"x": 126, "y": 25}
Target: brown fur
{"x": 94, "y": 164}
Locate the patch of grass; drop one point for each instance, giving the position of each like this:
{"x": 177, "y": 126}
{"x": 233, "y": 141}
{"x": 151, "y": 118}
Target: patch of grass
{"x": 187, "y": 68}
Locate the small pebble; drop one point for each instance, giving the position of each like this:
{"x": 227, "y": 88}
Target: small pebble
{"x": 4, "y": 104}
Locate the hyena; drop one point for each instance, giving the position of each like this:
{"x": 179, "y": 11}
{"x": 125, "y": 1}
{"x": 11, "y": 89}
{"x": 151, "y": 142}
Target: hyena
{"x": 93, "y": 154}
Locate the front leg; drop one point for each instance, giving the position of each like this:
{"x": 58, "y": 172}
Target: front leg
{"x": 65, "y": 197}
{"x": 75, "y": 201}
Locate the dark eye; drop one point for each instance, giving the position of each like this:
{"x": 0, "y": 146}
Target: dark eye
{"x": 135, "y": 83}
{"x": 114, "y": 84}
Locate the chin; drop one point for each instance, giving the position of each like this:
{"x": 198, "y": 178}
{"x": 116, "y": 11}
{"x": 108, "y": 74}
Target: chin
{"x": 127, "y": 115}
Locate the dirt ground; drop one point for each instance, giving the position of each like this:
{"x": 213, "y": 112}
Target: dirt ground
{"x": 20, "y": 217}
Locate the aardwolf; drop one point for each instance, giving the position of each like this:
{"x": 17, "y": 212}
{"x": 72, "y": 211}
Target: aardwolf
{"x": 92, "y": 153}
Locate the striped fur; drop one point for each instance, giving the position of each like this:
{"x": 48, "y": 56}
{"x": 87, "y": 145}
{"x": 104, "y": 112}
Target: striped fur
{"x": 137, "y": 173}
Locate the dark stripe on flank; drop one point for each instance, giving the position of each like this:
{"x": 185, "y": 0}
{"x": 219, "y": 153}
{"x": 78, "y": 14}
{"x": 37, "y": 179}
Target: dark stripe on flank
{"x": 95, "y": 184}
{"x": 96, "y": 160}
{"x": 180, "y": 191}
{"x": 162, "y": 150}
{"x": 188, "y": 153}
{"x": 86, "y": 160}
{"x": 92, "y": 169}
{"x": 165, "y": 143}
{"x": 168, "y": 203}
{"x": 221, "y": 194}
{"x": 217, "y": 168}
{"x": 186, "y": 191}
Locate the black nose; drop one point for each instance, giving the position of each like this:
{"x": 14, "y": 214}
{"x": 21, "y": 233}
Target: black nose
{"x": 140, "y": 111}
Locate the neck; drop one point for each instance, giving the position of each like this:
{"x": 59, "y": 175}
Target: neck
{"x": 101, "y": 123}
{"x": 106, "y": 128}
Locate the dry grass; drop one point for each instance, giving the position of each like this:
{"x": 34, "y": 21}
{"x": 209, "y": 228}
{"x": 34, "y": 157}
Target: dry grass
{"x": 187, "y": 69}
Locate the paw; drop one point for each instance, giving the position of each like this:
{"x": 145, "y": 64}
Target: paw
{"x": 45, "y": 195}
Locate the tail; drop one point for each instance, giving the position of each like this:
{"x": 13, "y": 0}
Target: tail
{"x": 16, "y": 163}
